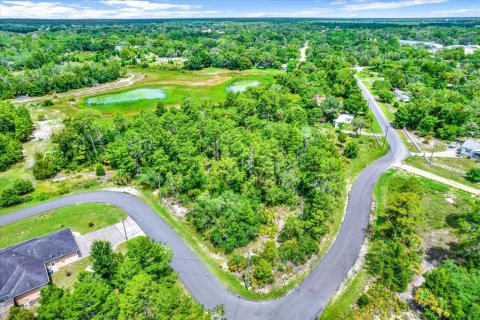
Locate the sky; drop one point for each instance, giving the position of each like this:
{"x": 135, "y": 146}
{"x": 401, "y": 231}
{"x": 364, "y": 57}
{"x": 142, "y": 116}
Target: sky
{"x": 150, "y": 9}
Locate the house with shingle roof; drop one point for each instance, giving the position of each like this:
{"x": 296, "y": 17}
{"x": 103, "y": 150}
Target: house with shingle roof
{"x": 471, "y": 149}
{"x": 25, "y": 267}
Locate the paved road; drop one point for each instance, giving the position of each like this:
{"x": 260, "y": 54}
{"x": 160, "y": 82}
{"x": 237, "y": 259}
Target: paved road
{"x": 304, "y": 302}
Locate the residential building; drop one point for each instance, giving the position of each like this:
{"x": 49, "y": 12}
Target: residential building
{"x": 401, "y": 96}
{"x": 471, "y": 149}
{"x": 25, "y": 268}
{"x": 343, "y": 118}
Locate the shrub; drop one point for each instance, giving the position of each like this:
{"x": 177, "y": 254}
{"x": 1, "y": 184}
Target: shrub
{"x": 363, "y": 301}
{"x": 342, "y": 137}
{"x": 100, "y": 170}
{"x": 473, "y": 175}
{"x": 122, "y": 178}
{"x": 10, "y": 198}
{"x": 19, "y": 313}
{"x": 45, "y": 167}
{"x": 13, "y": 195}
{"x": 23, "y": 186}
{"x": 263, "y": 272}
{"x": 237, "y": 262}
{"x": 351, "y": 150}
{"x": 47, "y": 103}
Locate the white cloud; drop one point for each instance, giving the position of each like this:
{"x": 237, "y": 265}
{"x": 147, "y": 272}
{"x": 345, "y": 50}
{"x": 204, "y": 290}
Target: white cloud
{"x": 149, "y": 5}
{"x": 338, "y": 2}
{"x": 470, "y": 12}
{"x": 362, "y": 5}
{"x": 129, "y": 9}
{"x": 306, "y": 13}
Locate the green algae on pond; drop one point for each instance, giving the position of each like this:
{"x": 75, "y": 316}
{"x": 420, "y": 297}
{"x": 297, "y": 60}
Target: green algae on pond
{"x": 242, "y": 85}
{"x": 132, "y": 95}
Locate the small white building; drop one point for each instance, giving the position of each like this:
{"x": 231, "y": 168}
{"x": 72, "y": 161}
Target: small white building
{"x": 471, "y": 149}
{"x": 401, "y": 96}
{"x": 343, "y": 118}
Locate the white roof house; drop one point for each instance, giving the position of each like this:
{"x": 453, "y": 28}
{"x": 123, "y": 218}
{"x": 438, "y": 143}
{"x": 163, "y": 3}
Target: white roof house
{"x": 343, "y": 118}
{"x": 470, "y": 148}
{"x": 401, "y": 96}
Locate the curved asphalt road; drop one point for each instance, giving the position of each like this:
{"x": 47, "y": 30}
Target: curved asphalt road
{"x": 304, "y": 302}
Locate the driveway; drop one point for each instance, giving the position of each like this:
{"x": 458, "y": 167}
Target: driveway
{"x": 115, "y": 234}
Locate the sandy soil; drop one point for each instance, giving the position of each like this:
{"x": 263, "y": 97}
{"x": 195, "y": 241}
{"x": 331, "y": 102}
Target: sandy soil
{"x": 215, "y": 80}
{"x": 303, "y": 52}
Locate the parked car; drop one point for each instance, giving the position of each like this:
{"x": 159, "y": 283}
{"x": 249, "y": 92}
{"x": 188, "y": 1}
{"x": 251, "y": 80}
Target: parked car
{"x": 453, "y": 145}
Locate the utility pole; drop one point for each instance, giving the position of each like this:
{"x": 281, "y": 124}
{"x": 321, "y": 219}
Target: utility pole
{"x": 247, "y": 281}
{"x": 124, "y": 229}
{"x": 385, "y": 138}
{"x": 159, "y": 184}
{"x": 433, "y": 149}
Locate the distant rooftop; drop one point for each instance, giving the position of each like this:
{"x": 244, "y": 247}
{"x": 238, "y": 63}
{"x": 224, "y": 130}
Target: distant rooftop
{"x": 22, "y": 266}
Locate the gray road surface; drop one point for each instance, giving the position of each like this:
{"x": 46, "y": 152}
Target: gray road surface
{"x": 305, "y": 301}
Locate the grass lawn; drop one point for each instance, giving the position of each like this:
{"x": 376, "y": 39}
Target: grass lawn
{"x": 7, "y": 178}
{"x": 77, "y": 217}
{"x": 419, "y": 162}
{"x": 369, "y": 152}
{"x": 406, "y": 141}
{"x": 458, "y": 163}
{"x": 48, "y": 190}
{"x": 340, "y": 307}
{"x": 435, "y": 197}
{"x": 208, "y": 85}
{"x": 67, "y": 276}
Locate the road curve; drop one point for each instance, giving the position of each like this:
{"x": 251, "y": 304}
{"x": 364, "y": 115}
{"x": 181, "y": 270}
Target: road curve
{"x": 308, "y": 299}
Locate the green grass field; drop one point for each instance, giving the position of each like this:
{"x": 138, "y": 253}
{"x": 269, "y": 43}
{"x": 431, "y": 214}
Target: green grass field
{"x": 66, "y": 276}
{"x": 458, "y": 163}
{"x": 78, "y": 218}
{"x": 420, "y": 163}
{"x": 207, "y": 85}
{"x": 370, "y": 150}
{"x": 340, "y": 307}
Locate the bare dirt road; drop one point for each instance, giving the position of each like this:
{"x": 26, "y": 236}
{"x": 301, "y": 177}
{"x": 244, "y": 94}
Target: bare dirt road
{"x": 303, "y": 52}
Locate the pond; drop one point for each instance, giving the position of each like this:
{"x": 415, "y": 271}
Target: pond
{"x": 132, "y": 95}
{"x": 242, "y": 85}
